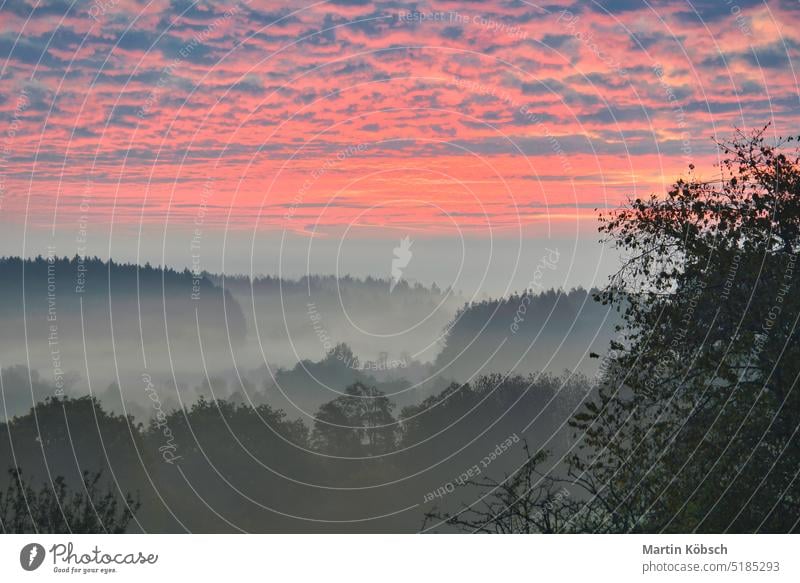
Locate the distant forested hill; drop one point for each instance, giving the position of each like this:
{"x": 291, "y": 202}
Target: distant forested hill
{"x": 90, "y": 326}
{"x": 304, "y": 318}
{"x": 53, "y": 289}
{"x": 551, "y": 331}
{"x": 81, "y": 320}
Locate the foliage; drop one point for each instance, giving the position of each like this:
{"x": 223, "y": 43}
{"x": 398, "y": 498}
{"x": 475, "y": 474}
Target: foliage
{"x": 360, "y": 422}
{"x": 695, "y": 426}
{"x": 57, "y": 508}
{"x": 524, "y": 502}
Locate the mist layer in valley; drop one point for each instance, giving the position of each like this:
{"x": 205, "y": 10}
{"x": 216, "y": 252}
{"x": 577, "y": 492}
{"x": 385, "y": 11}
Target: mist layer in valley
{"x": 85, "y": 326}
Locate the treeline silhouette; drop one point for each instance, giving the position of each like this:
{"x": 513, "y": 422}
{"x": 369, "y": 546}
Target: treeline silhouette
{"x": 54, "y": 288}
{"x": 237, "y": 467}
{"x": 309, "y": 383}
{"x": 527, "y": 332}
{"x": 302, "y": 319}
{"x": 105, "y": 320}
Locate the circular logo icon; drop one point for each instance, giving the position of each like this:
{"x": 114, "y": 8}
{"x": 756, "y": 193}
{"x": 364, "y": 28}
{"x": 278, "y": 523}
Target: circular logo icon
{"x": 31, "y": 556}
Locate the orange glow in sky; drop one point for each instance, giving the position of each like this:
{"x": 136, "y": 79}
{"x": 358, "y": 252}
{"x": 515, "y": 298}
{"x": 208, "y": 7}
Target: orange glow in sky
{"x": 434, "y": 116}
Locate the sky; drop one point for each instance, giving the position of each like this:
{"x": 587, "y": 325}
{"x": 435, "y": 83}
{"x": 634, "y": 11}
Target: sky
{"x": 246, "y": 136}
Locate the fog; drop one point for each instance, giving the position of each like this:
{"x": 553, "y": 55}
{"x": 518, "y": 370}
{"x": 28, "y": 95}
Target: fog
{"x": 253, "y": 382}
{"x": 94, "y": 327}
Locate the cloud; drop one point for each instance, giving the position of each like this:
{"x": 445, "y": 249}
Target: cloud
{"x": 262, "y": 94}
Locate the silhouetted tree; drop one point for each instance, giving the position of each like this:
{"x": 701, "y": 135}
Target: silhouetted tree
{"x": 523, "y": 502}
{"x": 360, "y": 422}
{"x": 696, "y": 424}
{"x": 57, "y": 508}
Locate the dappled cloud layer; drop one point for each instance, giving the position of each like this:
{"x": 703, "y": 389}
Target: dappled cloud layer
{"x": 311, "y": 117}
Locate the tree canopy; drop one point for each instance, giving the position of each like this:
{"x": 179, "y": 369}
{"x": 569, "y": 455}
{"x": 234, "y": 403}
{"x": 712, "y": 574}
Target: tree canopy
{"x": 695, "y": 424}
